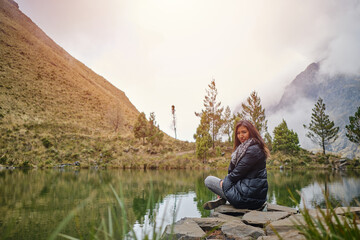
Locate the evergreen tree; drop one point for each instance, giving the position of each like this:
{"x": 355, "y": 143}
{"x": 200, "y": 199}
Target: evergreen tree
{"x": 236, "y": 118}
{"x": 285, "y": 140}
{"x": 228, "y": 123}
{"x": 154, "y": 135}
{"x": 322, "y": 131}
{"x": 203, "y": 138}
{"x": 268, "y": 141}
{"x": 253, "y": 111}
{"x": 213, "y": 112}
{"x": 353, "y": 129}
{"x": 141, "y": 127}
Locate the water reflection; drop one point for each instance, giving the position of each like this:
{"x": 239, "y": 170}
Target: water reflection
{"x": 172, "y": 209}
{"x": 33, "y": 203}
{"x": 344, "y": 192}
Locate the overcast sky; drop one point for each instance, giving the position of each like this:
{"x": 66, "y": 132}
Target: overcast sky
{"x": 163, "y": 53}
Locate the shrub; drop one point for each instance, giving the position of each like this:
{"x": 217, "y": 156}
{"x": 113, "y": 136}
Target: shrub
{"x": 46, "y": 143}
{"x": 3, "y": 159}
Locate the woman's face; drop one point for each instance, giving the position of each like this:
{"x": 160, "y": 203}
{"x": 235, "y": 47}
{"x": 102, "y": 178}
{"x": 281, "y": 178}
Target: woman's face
{"x": 242, "y": 134}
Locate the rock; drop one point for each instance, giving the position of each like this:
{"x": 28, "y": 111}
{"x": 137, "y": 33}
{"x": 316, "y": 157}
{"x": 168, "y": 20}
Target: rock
{"x": 274, "y": 207}
{"x": 209, "y": 223}
{"x": 228, "y": 209}
{"x": 262, "y": 218}
{"x": 186, "y": 228}
{"x": 77, "y": 163}
{"x": 239, "y": 230}
{"x": 345, "y": 210}
{"x": 284, "y": 225}
{"x": 225, "y": 217}
{"x": 292, "y": 234}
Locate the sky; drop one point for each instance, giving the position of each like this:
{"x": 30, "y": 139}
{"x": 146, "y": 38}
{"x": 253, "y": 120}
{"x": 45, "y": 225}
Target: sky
{"x": 166, "y": 52}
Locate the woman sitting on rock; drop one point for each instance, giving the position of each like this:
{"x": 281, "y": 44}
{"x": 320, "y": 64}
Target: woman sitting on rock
{"x": 246, "y": 184}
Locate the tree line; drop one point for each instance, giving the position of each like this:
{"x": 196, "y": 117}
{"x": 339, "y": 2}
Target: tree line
{"x": 148, "y": 130}
{"x": 215, "y": 121}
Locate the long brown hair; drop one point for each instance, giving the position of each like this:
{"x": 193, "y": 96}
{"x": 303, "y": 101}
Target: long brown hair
{"x": 254, "y": 133}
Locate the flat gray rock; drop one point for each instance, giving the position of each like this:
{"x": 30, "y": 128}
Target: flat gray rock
{"x": 344, "y": 210}
{"x": 209, "y": 222}
{"x": 274, "y": 207}
{"x": 238, "y": 229}
{"x": 225, "y": 217}
{"x": 292, "y": 234}
{"x": 262, "y": 218}
{"x": 228, "y": 209}
{"x": 285, "y": 225}
{"x": 185, "y": 229}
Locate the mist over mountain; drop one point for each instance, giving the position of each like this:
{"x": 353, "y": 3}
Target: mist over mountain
{"x": 340, "y": 93}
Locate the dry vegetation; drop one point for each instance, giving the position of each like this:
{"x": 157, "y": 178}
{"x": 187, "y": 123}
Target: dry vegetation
{"x": 53, "y": 109}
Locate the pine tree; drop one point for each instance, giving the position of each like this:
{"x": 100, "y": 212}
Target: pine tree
{"x": 154, "y": 135}
{"x": 203, "y": 138}
{"x": 285, "y": 140}
{"x": 141, "y": 127}
{"x": 235, "y": 119}
{"x": 213, "y": 112}
{"x": 268, "y": 141}
{"x": 228, "y": 123}
{"x": 353, "y": 129}
{"x": 253, "y": 111}
{"x": 322, "y": 131}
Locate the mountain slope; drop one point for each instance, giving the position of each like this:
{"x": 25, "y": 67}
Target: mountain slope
{"x": 341, "y": 97}
{"x": 41, "y": 82}
{"x": 54, "y": 109}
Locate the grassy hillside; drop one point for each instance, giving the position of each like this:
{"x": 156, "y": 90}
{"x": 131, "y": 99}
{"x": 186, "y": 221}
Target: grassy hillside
{"x": 40, "y": 82}
{"x": 54, "y": 109}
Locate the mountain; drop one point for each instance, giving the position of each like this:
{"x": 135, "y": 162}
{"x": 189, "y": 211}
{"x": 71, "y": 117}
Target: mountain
{"x": 41, "y": 82}
{"x": 341, "y": 97}
{"x": 54, "y": 109}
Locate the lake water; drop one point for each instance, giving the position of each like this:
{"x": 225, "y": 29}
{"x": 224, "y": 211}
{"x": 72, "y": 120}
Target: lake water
{"x": 34, "y": 202}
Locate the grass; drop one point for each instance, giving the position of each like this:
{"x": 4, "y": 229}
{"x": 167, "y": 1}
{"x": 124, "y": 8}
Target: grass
{"x": 113, "y": 225}
{"x": 327, "y": 224}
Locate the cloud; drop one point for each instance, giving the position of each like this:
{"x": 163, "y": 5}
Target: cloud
{"x": 295, "y": 116}
{"x": 163, "y": 53}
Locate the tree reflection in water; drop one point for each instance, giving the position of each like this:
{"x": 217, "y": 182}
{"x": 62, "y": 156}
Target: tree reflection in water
{"x": 34, "y": 202}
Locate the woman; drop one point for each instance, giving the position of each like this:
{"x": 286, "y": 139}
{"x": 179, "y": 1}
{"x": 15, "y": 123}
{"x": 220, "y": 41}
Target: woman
{"x": 246, "y": 184}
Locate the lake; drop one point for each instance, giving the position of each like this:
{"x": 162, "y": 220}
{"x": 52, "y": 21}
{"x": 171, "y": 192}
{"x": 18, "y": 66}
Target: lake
{"x": 34, "y": 202}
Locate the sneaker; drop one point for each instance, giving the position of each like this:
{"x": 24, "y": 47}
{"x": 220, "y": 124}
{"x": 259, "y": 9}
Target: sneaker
{"x": 214, "y": 204}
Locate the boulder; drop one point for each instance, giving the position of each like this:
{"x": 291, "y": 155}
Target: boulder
{"x": 185, "y": 228}
{"x": 262, "y": 218}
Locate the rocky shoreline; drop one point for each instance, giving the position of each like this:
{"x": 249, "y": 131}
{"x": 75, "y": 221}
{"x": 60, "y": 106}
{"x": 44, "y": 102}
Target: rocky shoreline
{"x": 226, "y": 222}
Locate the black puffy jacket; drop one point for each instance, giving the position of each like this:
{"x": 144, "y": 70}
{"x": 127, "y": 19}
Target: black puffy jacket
{"x": 246, "y": 184}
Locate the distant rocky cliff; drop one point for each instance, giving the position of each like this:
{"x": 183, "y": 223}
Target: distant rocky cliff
{"x": 341, "y": 94}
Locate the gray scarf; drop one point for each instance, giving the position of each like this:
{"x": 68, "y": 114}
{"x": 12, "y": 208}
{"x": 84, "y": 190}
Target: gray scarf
{"x": 240, "y": 151}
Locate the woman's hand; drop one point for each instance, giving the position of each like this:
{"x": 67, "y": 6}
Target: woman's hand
{"x": 221, "y": 183}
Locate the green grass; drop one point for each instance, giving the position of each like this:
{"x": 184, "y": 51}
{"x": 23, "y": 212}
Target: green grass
{"x": 327, "y": 224}
{"x": 113, "y": 225}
